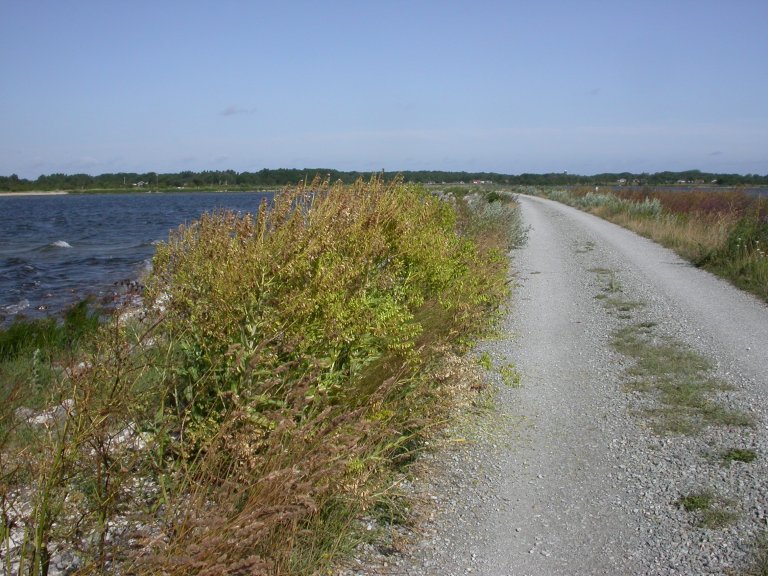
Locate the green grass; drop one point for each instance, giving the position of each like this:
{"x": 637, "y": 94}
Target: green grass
{"x": 743, "y": 258}
{"x": 716, "y": 518}
{"x": 759, "y": 563}
{"x": 510, "y": 375}
{"x": 485, "y": 361}
{"x": 745, "y": 455}
{"x": 695, "y": 501}
{"x": 679, "y": 378}
{"x": 35, "y": 354}
{"x": 711, "y": 511}
{"x": 48, "y": 334}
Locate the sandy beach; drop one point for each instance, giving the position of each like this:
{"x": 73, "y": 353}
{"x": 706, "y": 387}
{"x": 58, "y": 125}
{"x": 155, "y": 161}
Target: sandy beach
{"x": 35, "y": 193}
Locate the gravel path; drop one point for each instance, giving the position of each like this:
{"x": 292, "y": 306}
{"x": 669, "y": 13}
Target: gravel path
{"x": 566, "y": 476}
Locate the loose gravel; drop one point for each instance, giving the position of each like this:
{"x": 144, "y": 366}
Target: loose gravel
{"x": 565, "y": 476}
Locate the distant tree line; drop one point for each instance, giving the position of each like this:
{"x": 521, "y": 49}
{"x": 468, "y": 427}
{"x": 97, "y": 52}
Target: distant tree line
{"x": 230, "y": 179}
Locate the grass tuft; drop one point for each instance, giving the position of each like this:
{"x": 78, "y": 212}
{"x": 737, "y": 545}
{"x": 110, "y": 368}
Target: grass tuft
{"x": 695, "y": 501}
{"x": 679, "y": 378}
{"x": 712, "y": 511}
{"x": 745, "y": 455}
{"x": 510, "y": 375}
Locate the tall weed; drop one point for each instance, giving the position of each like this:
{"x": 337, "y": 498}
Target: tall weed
{"x": 743, "y": 257}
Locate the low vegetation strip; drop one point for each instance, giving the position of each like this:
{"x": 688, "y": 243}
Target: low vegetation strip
{"x": 723, "y": 232}
{"x": 677, "y": 379}
{"x": 243, "y": 422}
{"x": 677, "y": 391}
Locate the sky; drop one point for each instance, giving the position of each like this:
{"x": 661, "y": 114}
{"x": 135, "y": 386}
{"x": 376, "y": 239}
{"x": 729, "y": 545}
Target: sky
{"x": 583, "y": 86}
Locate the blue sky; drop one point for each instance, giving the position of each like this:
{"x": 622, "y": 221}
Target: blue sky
{"x": 539, "y": 86}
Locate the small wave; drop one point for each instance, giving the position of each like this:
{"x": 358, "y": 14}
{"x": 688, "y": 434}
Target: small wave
{"x": 12, "y": 309}
{"x": 148, "y": 243}
{"x": 53, "y": 246}
{"x": 16, "y": 268}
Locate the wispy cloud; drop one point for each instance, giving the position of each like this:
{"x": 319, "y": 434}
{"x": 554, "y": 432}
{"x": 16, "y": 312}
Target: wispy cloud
{"x": 716, "y": 153}
{"x": 236, "y": 111}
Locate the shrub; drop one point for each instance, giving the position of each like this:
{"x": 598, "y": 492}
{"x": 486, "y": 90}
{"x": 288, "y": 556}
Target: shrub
{"x": 326, "y": 282}
{"x": 286, "y": 362}
{"x": 303, "y": 337}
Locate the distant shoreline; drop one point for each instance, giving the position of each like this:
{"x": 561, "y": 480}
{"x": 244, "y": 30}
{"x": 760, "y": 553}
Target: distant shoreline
{"x": 35, "y": 193}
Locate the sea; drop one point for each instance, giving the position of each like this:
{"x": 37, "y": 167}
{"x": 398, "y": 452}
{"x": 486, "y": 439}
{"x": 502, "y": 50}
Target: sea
{"x": 57, "y": 250}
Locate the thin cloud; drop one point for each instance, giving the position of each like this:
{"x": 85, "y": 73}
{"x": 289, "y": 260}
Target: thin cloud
{"x": 716, "y": 153}
{"x": 236, "y": 111}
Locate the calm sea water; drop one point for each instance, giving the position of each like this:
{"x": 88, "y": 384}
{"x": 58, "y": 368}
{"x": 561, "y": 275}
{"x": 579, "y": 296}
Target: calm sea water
{"x": 57, "y": 250}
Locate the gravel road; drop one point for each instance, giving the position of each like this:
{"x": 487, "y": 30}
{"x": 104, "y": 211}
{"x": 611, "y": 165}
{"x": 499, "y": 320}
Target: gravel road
{"x": 566, "y": 475}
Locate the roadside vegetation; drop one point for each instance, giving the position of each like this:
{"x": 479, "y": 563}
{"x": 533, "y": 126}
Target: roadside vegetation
{"x": 286, "y": 365}
{"x": 678, "y": 380}
{"x": 723, "y": 232}
{"x": 677, "y": 394}
{"x": 710, "y": 510}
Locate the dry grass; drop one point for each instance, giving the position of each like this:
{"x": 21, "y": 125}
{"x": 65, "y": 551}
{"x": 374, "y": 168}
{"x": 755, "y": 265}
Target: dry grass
{"x": 691, "y": 237}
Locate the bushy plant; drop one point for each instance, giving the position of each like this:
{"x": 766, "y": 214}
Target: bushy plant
{"x": 284, "y": 362}
{"x": 748, "y": 236}
{"x": 303, "y": 334}
{"x": 327, "y": 280}
{"x": 556, "y": 194}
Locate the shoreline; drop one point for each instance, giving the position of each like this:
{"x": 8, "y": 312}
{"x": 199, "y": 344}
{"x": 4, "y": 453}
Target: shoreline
{"x": 35, "y": 193}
